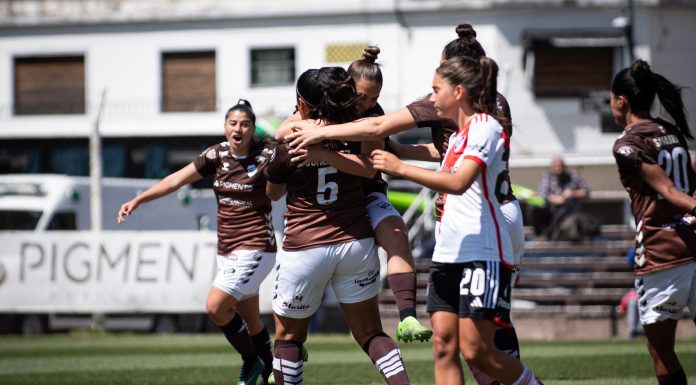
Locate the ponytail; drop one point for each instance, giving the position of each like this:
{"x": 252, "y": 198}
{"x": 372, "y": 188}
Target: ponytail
{"x": 639, "y": 85}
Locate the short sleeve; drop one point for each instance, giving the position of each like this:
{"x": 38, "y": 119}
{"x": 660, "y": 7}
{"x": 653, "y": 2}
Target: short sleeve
{"x": 632, "y": 150}
{"x": 423, "y": 113}
{"x": 482, "y": 140}
{"x": 278, "y": 168}
{"x": 207, "y": 162}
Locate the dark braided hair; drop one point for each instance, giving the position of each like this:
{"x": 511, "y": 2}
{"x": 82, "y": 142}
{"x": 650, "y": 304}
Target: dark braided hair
{"x": 330, "y": 94}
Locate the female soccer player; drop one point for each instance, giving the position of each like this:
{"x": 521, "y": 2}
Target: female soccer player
{"x": 328, "y": 239}
{"x": 655, "y": 168}
{"x": 388, "y": 226}
{"x": 421, "y": 113}
{"x": 471, "y": 273}
{"x": 246, "y": 242}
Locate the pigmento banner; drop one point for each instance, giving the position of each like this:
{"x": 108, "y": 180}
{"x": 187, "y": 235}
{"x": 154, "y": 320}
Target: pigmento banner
{"x": 118, "y": 271}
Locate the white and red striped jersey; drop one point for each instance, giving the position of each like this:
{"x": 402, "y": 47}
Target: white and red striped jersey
{"x": 472, "y": 226}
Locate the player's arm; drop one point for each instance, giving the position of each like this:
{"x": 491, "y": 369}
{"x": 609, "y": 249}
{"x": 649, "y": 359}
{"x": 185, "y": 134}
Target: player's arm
{"x": 284, "y": 129}
{"x": 275, "y": 191}
{"x": 425, "y": 152}
{"x": 359, "y": 165}
{"x": 172, "y": 182}
{"x": 373, "y": 128}
{"x": 456, "y": 183}
{"x": 656, "y": 178}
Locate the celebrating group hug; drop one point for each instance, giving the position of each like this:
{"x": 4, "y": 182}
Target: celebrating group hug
{"x": 327, "y": 160}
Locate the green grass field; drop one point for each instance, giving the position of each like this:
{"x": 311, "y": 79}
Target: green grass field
{"x": 121, "y": 359}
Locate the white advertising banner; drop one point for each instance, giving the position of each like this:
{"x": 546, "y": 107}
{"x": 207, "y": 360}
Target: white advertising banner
{"x": 119, "y": 271}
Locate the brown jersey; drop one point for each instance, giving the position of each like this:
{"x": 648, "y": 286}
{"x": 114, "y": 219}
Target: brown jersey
{"x": 325, "y": 206}
{"x": 244, "y": 210}
{"x": 661, "y": 241}
{"x": 425, "y": 115}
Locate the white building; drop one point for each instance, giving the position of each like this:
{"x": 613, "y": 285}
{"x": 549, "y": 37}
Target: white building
{"x": 168, "y": 69}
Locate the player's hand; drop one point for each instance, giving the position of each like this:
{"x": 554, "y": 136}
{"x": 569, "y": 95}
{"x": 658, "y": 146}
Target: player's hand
{"x": 125, "y": 210}
{"x": 315, "y": 153}
{"x": 386, "y": 162}
{"x": 304, "y": 133}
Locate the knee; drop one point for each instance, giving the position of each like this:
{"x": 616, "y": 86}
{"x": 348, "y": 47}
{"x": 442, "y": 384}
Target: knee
{"x": 216, "y": 312}
{"x": 445, "y": 347}
{"x": 475, "y": 354}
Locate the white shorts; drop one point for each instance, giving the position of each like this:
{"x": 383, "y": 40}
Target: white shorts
{"x": 664, "y": 294}
{"x": 513, "y": 222}
{"x": 378, "y": 208}
{"x": 241, "y": 272}
{"x": 352, "y": 268}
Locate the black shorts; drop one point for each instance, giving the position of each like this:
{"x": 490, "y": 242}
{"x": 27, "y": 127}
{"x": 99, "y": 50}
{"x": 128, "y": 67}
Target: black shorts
{"x": 479, "y": 289}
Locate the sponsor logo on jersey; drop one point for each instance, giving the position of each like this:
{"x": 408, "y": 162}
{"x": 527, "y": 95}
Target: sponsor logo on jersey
{"x": 234, "y": 202}
{"x": 478, "y": 148}
{"x": 232, "y": 185}
{"x": 624, "y": 151}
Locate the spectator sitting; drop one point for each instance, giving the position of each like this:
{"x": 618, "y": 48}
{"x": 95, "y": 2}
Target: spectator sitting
{"x": 561, "y": 190}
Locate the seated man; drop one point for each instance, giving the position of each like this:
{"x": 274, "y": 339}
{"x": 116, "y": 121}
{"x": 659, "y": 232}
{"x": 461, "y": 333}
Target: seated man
{"x": 561, "y": 189}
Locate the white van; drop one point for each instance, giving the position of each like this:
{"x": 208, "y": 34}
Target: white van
{"x": 58, "y": 202}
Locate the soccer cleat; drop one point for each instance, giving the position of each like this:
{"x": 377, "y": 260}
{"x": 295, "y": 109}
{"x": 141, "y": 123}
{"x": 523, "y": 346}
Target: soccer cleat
{"x": 250, "y": 372}
{"x": 411, "y": 330}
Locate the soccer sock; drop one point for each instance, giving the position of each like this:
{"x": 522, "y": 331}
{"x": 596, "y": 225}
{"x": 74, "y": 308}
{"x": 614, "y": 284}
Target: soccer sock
{"x": 237, "y": 335}
{"x": 262, "y": 343}
{"x": 287, "y": 362}
{"x": 526, "y": 377}
{"x": 387, "y": 357}
{"x": 403, "y": 285}
{"x": 505, "y": 340}
{"x": 676, "y": 378}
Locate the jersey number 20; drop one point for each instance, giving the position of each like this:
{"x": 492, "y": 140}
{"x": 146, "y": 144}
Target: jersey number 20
{"x": 676, "y": 166}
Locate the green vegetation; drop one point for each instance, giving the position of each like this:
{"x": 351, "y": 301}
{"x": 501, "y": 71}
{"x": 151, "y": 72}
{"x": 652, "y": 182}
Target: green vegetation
{"x": 122, "y": 359}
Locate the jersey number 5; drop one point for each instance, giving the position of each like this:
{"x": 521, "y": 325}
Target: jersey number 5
{"x": 327, "y": 192}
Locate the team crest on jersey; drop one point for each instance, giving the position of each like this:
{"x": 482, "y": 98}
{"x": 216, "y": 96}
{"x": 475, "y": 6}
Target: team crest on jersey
{"x": 625, "y": 151}
{"x": 225, "y": 166}
{"x": 251, "y": 170}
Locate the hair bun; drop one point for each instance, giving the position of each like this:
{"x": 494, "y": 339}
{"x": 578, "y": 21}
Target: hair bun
{"x": 370, "y": 53}
{"x": 640, "y": 70}
{"x": 465, "y": 31}
{"x": 244, "y": 102}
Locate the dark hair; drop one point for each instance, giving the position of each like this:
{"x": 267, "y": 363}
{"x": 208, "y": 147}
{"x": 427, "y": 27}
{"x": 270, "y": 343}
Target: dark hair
{"x": 465, "y": 45}
{"x": 480, "y": 78}
{"x": 330, "y": 94}
{"x": 244, "y": 106}
{"x": 639, "y": 85}
{"x": 366, "y": 68}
